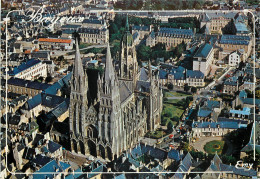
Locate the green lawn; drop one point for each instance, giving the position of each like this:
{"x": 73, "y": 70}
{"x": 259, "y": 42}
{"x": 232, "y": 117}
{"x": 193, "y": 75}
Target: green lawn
{"x": 174, "y": 93}
{"x": 214, "y": 146}
{"x": 171, "y": 111}
{"x": 84, "y": 45}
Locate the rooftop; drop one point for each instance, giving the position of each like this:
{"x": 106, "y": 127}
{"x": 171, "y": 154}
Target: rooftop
{"x": 203, "y": 51}
{"x": 234, "y": 39}
{"x": 55, "y": 40}
{"x": 221, "y": 124}
{"x": 245, "y": 111}
{"x": 164, "y": 31}
{"x": 28, "y": 84}
{"x": 23, "y": 67}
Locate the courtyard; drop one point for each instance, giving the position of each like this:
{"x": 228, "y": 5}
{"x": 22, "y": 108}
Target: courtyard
{"x": 212, "y": 145}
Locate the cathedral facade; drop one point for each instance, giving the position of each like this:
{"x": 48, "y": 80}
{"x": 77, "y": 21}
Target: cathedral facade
{"x": 128, "y": 104}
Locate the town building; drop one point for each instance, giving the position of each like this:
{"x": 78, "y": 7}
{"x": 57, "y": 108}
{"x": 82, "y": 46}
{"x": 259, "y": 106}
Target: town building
{"x": 208, "y": 129}
{"x": 216, "y": 22}
{"x": 171, "y": 37}
{"x": 94, "y": 35}
{"x": 26, "y": 87}
{"x": 55, "y": 43}
{"x": 94, "y": 23}
{"x": 203, "y": 59}
{"x": 240, "y": 114}
{"x": 235, "y": 58}
{"x": 231, "y": 85}
{"x": 195, "y": 78}
{"x": 231, "y": 43}
{"x": 30, "y": 70}
{"x": 144, "y": 31}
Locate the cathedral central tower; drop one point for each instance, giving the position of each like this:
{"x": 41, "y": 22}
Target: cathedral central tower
{"x": 128, "y": 62}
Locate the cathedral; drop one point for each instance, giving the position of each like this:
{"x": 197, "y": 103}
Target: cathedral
{"x": 128, "y": 104}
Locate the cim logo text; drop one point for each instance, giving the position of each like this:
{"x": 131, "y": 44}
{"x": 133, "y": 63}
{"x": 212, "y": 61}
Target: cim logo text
{"x": 241, "y": 165}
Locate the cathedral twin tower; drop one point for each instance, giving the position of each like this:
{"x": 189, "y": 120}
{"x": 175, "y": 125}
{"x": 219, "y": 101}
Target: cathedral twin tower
{"x": 128, "y": 104}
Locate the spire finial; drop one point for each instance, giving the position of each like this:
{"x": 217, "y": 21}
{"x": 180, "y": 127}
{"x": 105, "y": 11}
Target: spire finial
{"x": 109, "y": 69}
{"x": 78, "y": 67}
{"x": 127, "y": 24}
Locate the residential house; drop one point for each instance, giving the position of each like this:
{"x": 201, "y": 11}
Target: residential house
{"x": 177, "y": 76}
{"x": 235, "y": 58}
{"x": 209, "y": 110}
{"x": 195, "y": 78}
{"x": 231, "y": 85}
{"x": 184, "y": 167}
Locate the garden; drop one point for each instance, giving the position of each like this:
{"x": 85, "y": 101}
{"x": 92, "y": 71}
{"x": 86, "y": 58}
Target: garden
{"x": 214, "y": 146}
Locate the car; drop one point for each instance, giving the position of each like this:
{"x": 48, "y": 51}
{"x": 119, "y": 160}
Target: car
{"x": 159, "y": 142}
{"x": 171, "y": 136}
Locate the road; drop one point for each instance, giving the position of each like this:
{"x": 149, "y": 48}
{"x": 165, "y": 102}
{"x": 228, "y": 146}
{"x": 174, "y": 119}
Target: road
{"x": 60, "y": 53}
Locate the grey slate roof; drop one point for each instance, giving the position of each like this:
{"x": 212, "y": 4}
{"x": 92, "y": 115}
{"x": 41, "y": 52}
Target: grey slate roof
{"x": 143, "y": 75}
{"x": 124, "y": 92}
{"x": 186, "y": 33}
{"x": 203, "y": 50}
{"x": 23, "y": 67}
{"x": 234, "y": 39}
{"x": 194, "y": 74}
{"x": 28, "y": 83}
{"x": 141, "y": 28}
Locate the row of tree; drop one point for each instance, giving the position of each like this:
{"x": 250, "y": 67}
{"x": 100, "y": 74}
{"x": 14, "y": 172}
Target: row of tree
{"x": 159, "y": 51}
{"x": 159, "y": 4}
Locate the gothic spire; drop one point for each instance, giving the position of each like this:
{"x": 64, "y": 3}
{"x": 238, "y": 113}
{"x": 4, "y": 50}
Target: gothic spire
{"x": 78, "y": 67}
{"x": 109, "y": 69}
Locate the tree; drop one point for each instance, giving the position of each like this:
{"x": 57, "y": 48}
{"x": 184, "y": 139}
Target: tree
{"x": 193, "y": 89}
{"x": 175, "y": 118}
{"x": 144, "y": 52}
{"x": 169, "y": 126}
{"x": 170, "y": 86}
{"x": 186, "y": 87}
{"x": 227, "y": 159}
{"x": 48, "y": 79}
{"x": 113, "y": 29}
{"x": 115, "y": 50}
{"x": 199, "y": 155}
{"x": 187, "y": 147}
